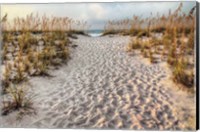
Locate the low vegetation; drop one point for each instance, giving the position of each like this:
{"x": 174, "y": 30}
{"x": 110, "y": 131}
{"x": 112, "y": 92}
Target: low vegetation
{"x": 17, "y": 99}
{"x": 167, "y": 38}
{"x": 31, "y": 47}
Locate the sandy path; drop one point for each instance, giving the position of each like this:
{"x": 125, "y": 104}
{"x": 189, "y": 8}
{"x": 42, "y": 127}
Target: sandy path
{"x": 104, "y": 87}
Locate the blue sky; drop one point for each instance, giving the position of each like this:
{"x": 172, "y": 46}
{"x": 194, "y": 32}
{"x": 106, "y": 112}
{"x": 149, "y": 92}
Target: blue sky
{"x": 95, "y": 13}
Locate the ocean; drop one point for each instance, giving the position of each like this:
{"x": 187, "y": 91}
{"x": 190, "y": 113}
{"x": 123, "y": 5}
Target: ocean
{"x": 95, "y": 33}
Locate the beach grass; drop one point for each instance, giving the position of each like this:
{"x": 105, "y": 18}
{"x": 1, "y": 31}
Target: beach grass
{"x": 31, "y": 45}
{"x": 169, "y": 36}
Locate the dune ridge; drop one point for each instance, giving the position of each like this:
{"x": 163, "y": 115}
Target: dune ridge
{"x": 104, "y": 87}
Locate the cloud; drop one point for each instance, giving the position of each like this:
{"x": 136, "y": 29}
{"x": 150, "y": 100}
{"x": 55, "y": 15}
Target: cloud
{"x": 14, "y": 10}
{"x": 95, "y": 13}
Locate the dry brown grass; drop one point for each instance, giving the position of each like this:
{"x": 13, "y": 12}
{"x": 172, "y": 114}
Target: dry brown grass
{"x": 18, "y": 99}
{"x": 36, "y": 24}
{"x": 177, "y": 29}
{"x": 134, "y": 44}
{"x": 182, "y": 75}
{"x": 35, "y": 50}
{"x": 115, "y": 27}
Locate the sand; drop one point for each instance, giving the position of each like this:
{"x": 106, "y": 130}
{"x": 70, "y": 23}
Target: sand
{"x": 102, "y": 86}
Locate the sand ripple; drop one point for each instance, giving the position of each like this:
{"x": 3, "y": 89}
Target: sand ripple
{"x": 104, "y": 87}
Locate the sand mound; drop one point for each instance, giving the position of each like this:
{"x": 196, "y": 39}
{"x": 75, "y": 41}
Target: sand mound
{"x": 104, "y": 87}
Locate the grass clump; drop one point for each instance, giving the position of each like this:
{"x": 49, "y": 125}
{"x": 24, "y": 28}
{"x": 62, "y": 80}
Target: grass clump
{"x": 6, "y": 77}
{"x": 182, "y": 75}
{"x": 18, "y": 99}
{"x": 134, "y": 44}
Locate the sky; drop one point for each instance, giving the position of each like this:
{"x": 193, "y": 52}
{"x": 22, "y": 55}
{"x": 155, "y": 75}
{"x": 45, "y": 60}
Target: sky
{"x": 96, "y": 14}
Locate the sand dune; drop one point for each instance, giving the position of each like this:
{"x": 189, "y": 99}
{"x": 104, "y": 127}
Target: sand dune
{"x": 104, "y": 87}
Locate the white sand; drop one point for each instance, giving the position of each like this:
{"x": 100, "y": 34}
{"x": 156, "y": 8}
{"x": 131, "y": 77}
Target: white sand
{"x": 104, "y": 87}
